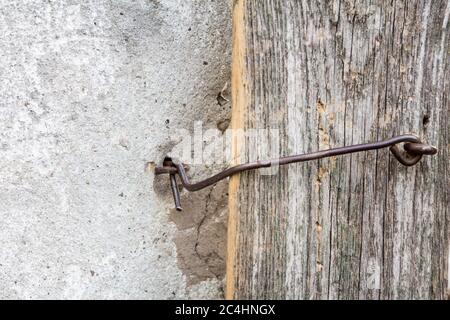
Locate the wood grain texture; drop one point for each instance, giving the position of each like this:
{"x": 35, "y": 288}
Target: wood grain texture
{"x": 239, "y": 105}
{"x": 327, "y": 74}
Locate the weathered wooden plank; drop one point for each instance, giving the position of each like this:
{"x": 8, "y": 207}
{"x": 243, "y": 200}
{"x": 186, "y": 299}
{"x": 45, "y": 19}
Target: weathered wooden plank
{"x": 327, "y": 74}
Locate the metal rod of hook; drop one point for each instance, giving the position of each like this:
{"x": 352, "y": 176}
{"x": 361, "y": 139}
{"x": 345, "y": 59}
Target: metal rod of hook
{"x": 412, "y": 153}
{"x": 175, "y": 192}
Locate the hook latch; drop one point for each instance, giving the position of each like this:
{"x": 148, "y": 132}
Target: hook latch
{"x": 410, "y": 154}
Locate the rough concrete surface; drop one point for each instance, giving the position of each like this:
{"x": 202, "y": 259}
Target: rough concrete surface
{"x": 89, "y": 94}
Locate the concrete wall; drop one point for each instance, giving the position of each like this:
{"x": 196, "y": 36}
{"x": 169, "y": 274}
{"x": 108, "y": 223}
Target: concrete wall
{"x": 89, "y": 94}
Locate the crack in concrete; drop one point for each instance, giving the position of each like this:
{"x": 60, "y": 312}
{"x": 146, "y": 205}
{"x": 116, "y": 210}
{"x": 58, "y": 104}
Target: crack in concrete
{"x": 208, "y": 200}
{"x": 201, "y": 240}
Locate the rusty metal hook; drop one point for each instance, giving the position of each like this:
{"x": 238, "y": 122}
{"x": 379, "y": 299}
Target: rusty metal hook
{"x": 413, "y": 150}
